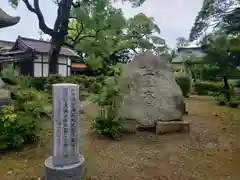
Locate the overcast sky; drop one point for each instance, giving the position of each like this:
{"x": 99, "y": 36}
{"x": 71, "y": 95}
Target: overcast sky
{"x": 174, "y": 17}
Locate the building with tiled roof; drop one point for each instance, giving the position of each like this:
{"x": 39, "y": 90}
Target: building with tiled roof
{"x": 31, "y": 57}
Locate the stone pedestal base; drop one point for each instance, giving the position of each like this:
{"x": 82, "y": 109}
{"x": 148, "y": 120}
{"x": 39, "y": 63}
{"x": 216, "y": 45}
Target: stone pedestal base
{"x": 171, "y": 126}
{"x": 69, "y": 172}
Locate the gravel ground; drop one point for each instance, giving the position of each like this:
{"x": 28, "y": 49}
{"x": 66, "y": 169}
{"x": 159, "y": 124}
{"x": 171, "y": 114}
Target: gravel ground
{"x": 210, "y": 151}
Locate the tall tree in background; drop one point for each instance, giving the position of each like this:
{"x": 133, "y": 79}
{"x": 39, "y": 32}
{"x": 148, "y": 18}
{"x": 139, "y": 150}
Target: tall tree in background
{"x": 218, "y": 14}
{"x": 231, "y": 22}
{"x": 60, "y": 29}
{"x": 223, "y": 52}
{"x": 103, "y": 36}
{"x": 93, "y": 27}
{"x": 143, "y": 31}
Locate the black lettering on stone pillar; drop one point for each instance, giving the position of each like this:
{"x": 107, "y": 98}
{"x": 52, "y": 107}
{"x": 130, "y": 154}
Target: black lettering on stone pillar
{"x": 65, "y": 123}
{"x": 73, "y": 122}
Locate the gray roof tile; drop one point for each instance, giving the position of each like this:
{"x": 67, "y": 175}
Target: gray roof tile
{"x": 44, "y": 46}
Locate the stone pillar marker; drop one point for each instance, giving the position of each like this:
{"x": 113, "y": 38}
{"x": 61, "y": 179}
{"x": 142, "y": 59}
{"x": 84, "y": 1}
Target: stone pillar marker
{"x": 65, "y": 163}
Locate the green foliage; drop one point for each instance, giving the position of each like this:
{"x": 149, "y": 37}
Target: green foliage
{"x": 17, "y": 128}
{"x": 19, "y": 124}
{"x": 223, "y": 52}
{"x": 204, "y": 88}
{"x": 38, "y": 83}
{"x": 214, "y": 13}
{"x": 91, "y": 23}
{"x": 135, "y": 3}
{"x": 9, "y": 75}
{"x": 108, "y": 123}
{"x": 234, "y": 102}
{"x": 231, "y": 22}
{"x": 107, "y": 127}
{"x": 221, "y": 99}
{"x": 103, "y": 37}
{"x": 14, "y": 3}
{"x": 9, "y": 71}
{"x": 209, "y": 72}
{"x": 24, "y": 81}
{"x": 31, "y": 101}
{"x": 87, "y": 84}
{"x": 184, "y": 82}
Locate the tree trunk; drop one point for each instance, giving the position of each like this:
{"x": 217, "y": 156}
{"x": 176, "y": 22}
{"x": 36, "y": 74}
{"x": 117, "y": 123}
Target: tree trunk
{"x": 56, "y": 44}
{"x": 226, "y": 87}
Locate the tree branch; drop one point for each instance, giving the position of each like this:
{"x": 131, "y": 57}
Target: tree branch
{"x": 86, "y": 36}
{"x": 72, "y": 29}
{"x": 79, "y": 34}
{"x": 77, "y": 39}
{"x": 58, "y": 20}
{"x": 65, "y": 7}
{"x": 134, "y": 50}
{"x": 68, "y": 45}
{"x": 36, "y": 10}
{"x": 29, "y": 6}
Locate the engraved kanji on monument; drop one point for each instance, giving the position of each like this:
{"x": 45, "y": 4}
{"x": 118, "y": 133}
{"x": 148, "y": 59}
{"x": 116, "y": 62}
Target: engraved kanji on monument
{"x": 65, "y": 123}
{"x": 65, "y": 162}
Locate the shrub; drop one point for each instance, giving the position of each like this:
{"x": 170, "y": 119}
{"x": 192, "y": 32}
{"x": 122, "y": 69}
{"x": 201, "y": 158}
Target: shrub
{"x": 82, "y": 80}
{"x": 50, "y": 80}
{"x": 90, "y": 84}
{"x": 203, "y": 88}
{"x": 87, "y": 84}
{"x": 235, "y": 100}
{"x": 221, "y": 99}
{"x": 106, "y": 126}
{"x": 16, "y": 128}
{"x": 38, "y": 83}
{"x": 24, "y": 81}
{"x": 107, "y": 123}
{"x": 9, "y": 75}
{"x": 31, "y": 101}
{"x": 95, "y": 87}
{"x": 234, "y": 103}
{"x": 184, "y": 82}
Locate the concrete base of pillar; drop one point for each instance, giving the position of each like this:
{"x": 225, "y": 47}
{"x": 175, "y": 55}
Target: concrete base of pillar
{"x": 67, "y": 172}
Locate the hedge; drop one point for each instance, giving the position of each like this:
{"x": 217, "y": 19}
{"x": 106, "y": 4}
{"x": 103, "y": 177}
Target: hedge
{"x": 204, "y": 88}
{"x": 184, "y": 82}
{"x": 88, "y": 84}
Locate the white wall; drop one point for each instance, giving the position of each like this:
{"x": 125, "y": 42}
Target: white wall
{"x": 62, "y": 69}
{"x": 38, "y": 66}
{"x": 69, "y": 66}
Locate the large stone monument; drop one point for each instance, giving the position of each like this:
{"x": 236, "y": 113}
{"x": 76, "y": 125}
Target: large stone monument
{"x": 151, "y": 96}
{"x": 65, "y": 163}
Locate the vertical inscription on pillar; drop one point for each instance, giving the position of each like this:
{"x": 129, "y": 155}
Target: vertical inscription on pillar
{"x": 65, "y": 111}
{"x": 65, "y": 124}
{"x": 74, "y": 122}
